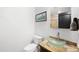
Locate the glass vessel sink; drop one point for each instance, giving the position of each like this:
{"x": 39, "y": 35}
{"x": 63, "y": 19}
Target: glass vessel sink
{"x": 56, "y": 42}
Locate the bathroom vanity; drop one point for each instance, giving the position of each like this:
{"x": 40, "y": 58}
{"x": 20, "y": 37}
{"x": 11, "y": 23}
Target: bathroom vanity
{"x": 68, "y": 47}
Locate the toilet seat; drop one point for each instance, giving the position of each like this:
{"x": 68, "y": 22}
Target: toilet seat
{"x": 31, "y": 47}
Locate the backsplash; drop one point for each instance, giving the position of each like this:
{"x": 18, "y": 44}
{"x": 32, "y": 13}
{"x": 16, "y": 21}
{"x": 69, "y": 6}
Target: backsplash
{"x": 66, "y": 34}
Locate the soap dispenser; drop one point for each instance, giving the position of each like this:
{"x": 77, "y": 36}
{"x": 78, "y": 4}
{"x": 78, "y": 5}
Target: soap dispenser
{"x": 74, "y": 25}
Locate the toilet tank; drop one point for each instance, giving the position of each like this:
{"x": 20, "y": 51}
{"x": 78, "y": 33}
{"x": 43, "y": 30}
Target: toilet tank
{"x": 37, "y": 39}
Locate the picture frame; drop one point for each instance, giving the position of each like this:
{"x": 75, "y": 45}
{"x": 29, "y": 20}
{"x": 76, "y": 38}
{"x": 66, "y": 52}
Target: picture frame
{"x": 41, "y": 17}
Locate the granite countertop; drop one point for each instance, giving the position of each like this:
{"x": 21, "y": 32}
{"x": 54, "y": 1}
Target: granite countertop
{"x": 45, "y": 45}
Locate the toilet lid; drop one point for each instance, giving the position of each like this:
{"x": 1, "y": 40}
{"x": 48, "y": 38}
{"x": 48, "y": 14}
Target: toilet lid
{"x": 30, "y": 47}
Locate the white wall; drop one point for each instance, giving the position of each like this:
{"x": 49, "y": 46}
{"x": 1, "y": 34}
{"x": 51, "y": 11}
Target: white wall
{"x": 42, "y": 28}
{"x": 16, "y": 28}
{"x": 67, "y": 34}
{"x": 74, "y": 11}
{"x": 64, "y": 9}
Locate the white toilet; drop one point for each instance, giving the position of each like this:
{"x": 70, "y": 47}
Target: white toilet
{"x": 34, "y": 45}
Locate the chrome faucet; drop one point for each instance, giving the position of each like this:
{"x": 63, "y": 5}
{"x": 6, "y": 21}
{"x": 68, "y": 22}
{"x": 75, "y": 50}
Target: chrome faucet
{"x": 58, "y": 35}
